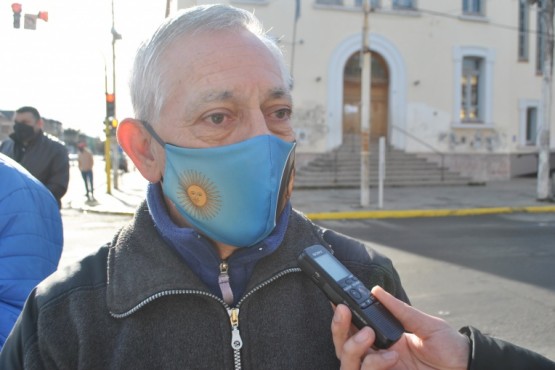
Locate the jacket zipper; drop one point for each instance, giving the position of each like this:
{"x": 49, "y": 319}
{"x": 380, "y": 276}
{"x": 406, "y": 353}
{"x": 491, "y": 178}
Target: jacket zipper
{"x": 223, "y": 282}
{"x": 236, "y": 341}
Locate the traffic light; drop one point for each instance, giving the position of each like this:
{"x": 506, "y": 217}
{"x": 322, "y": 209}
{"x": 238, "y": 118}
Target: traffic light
{"x": 43, "y": 16}
{"x": 16, "y": 8}
{"x": 30, "y": 22}
{"x": 110, "y": 105}
{"x": 114, "y": 126}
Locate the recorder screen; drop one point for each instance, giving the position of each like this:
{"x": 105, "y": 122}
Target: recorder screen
{"x": 336, "y": 270}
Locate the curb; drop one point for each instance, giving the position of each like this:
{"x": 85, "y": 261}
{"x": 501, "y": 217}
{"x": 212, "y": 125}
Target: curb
{"x": 350, "y": 215}
{"x": 378, "y": 214}
{"x": 106, "y": 212}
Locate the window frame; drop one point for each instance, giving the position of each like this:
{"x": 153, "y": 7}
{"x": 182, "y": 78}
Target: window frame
{"x": 474, "y": 8}
{"x": 524, "y": 106}
{"x": 523, "y": 48}
{"x": 540, "y": 44}
{"x": 396, "y": 6}
{"x": 486, "y": 90}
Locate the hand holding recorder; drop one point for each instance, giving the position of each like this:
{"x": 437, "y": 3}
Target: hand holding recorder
{"x": 342, "y": 287}
{"x": 434, "y": 344}
{"x": 437, "y": 346}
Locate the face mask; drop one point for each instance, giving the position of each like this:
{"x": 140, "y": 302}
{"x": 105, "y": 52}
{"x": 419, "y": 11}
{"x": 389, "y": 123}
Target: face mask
{"x": 229, "y": 193}
{"x": 23, "y": 132}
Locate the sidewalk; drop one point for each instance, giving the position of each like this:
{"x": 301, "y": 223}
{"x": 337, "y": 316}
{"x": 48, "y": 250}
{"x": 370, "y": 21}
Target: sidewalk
{"x": 511, "y": 196}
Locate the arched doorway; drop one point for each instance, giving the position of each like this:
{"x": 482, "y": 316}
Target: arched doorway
{"x": 379, "y": 97}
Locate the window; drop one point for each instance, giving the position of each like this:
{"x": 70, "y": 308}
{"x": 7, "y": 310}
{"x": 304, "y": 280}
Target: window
{"x": 473, "y": 86}
{"x": 329, "y": 2}
{"x": 404, "y": 4}
{"x": 529, "y": 121}
{"x": 349, "y": 3}
{"x": 473, "y": 7}
{"x": 531, "y": 125}
{"x": 471, "y": 90}
{"x": 523, "y": 30}
{"x": 540, "y": 40}
{"x": 374, "y": 4}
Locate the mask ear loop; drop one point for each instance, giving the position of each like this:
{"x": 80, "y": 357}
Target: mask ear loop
{"x": 288, "y": 171}
{"x": 152, "y": 133}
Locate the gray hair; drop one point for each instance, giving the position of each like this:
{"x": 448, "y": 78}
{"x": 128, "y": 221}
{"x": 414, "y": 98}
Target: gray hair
{"x": 145, "y": 84}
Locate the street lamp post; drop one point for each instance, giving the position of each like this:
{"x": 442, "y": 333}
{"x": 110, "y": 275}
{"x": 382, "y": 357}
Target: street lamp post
{"x": 115, "y": 163}
{"x": 107, "y": 132}
{"x": 365, "y": 112}
{"x": 544, "y": 191}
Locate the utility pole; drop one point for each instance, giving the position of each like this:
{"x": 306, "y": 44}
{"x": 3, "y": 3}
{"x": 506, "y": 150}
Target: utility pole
{"x": 297, "y": 16}
{"x": 168, "y": 7}
{"x": 107, "y": 130}
{"x": 115, "y": 148}
{"x": 365, "y": 104}
{"x": 544, "y": 192}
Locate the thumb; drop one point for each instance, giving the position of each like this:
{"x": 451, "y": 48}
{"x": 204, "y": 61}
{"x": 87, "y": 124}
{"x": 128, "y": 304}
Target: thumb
{"x": 380, "y": 360}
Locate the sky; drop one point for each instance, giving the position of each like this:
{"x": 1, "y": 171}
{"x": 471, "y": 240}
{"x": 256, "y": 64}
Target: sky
{"x": 60, "y": 67}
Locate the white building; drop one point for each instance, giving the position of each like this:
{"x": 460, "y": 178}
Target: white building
{"x": 462, "y": 76}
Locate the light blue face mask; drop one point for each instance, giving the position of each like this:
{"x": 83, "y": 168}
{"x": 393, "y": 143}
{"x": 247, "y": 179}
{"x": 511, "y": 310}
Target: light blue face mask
{"x": 229, "y": 193}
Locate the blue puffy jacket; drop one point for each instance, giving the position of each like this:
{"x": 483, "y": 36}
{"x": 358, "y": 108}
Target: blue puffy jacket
{"x": 31, "y": 239}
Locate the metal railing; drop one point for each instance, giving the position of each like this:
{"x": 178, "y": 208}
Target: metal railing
{"x": 420, "y": 141}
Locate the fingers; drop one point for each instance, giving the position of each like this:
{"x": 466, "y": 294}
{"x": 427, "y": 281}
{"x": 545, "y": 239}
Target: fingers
{"x": 351, "y": 351}
{"x": 412, "y": 319}
{"x": 340, "y": 327}
{"x": 380, "y": 360}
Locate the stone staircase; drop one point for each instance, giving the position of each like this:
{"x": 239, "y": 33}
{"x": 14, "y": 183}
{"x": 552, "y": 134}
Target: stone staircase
{"x": 340, "y": 168}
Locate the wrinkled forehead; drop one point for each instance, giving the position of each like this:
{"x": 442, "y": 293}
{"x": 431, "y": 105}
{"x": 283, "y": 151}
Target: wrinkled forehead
{"x": 203, "y": 49}
{"x": 214, "y": 55}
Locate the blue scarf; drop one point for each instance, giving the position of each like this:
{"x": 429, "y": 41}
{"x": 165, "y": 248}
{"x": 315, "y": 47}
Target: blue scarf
{"x": 202, "y": 257}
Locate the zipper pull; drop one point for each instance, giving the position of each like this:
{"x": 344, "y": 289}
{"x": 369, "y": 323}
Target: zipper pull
{"x": 236, "y": 341}
{"x": 223, "y": 282}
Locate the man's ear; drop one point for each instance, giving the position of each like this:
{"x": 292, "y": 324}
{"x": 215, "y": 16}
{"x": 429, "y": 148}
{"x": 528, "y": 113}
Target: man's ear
{"x": 137, "y": 142}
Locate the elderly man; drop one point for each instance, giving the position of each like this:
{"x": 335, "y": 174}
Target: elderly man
{"x": 205, "y": 276}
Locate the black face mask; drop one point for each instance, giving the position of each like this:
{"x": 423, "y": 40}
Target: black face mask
{"x": 23, "y": 132}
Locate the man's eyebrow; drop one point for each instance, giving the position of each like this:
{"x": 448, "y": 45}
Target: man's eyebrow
{"x": 214, "y": 96}
{"x": 219, "y": 96}
{"x": 279, "y": 93}
{"x": 207, "y": 98}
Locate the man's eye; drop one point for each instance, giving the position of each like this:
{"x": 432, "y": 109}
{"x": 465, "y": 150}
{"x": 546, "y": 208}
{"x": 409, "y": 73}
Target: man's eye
{"x": 283, "y": 113}
{"x": 217, "y": 118}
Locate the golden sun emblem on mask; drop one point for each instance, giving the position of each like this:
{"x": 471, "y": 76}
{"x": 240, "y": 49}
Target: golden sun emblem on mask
{"x": 198, "y": 195}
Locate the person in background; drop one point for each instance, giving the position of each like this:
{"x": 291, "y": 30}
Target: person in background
{"x": 86, "y": 161}
{"x": 44, "y": 156}
{"x": 205, "y": 276}
{"x": 432, "y": 344}
{"x": 31, "y": 239}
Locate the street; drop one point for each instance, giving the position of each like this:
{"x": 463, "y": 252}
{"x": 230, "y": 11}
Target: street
{"x": 493, "y": 272}
{"x": 86, "y": 232}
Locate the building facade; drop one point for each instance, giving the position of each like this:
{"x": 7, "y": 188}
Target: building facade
{"x": 458, "y": 77}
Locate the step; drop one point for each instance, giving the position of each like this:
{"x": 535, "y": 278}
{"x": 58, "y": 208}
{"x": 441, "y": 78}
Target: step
{"x": 341, "y": 169}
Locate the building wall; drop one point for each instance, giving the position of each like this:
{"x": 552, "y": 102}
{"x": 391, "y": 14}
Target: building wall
{"x": 423, "y": 50}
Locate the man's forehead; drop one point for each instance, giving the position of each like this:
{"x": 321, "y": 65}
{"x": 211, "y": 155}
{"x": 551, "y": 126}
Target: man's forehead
{"x": 24, "y": 116}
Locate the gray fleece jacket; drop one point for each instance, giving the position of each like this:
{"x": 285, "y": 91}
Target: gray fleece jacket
{"x": 135, "y": 305}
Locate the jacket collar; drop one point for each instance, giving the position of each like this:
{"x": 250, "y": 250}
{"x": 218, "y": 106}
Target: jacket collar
{"x": 141, "y": 264}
